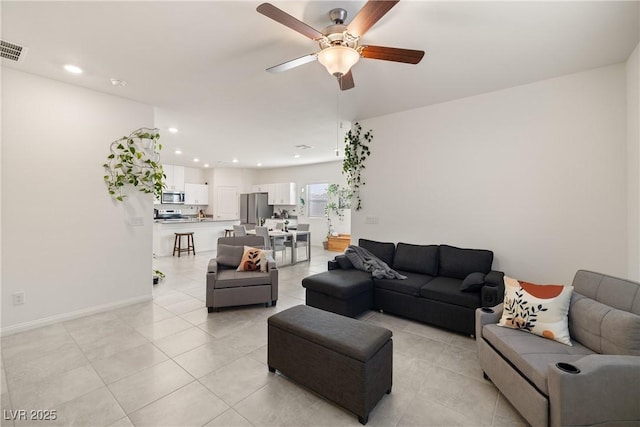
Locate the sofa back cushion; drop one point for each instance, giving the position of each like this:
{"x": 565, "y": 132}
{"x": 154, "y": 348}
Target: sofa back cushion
{"x": 229, "y": 256}
{"x": 459, "y": 263}
{"x": 604, "y": 329}
{"x": 618, "y": 293}
{"x": 605, "y": 313}
{"x": 421, "y": 259}
{"x": 384, "y": 251}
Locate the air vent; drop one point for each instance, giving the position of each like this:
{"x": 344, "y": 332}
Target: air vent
{"x": 304, "y": 147}
{"x": 12, "y": 51}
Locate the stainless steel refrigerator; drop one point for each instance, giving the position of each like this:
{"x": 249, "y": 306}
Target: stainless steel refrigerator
{"x": 254, "y": 206}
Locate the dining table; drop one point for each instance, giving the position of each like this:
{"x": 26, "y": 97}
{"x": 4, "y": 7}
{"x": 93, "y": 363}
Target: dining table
{"x": 293, "y": 235}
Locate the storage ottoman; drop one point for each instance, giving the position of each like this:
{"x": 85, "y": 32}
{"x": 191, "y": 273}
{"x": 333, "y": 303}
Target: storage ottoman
{"x": 345, "y": 360}
{"x": 346, "y": 292}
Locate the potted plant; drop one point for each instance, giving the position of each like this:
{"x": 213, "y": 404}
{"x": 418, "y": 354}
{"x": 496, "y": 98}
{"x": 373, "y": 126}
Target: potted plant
{"x": 157, "y": 276}
{"x": 135, "y": 160}
{"x": 338, "y": 199}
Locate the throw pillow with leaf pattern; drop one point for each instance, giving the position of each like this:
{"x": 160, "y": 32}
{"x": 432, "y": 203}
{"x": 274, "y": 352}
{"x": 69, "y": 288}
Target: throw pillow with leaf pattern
{"x": 253, "y": 259}
{"x": 538, "y": 309}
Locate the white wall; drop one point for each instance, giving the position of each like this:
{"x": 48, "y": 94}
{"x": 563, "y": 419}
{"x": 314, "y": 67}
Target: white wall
{"x": 330, "y": 172}
{"x": 65, "y": 243}
{"x": 633, "y": 162}
{"x": 535, "y": 173}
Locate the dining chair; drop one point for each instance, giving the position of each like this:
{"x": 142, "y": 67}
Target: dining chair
{"x": 239, "y": 230}
{"x": 301, "y": 241}
{"x": 279, "y": 244}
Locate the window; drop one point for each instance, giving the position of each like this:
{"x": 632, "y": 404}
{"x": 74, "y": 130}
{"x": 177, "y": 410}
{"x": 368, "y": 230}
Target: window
{"x": 317, "y": 194}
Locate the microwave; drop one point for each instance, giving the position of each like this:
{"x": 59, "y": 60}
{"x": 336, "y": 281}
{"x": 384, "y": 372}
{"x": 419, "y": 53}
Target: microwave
{"x": 173, "y": 197}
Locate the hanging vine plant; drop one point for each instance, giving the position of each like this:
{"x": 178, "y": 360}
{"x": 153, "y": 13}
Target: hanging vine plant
{"x": 356, "y": 151}
{"x": 135, "y": 160}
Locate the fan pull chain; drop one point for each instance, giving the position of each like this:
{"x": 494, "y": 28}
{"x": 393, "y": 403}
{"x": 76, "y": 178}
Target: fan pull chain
{"x": 338, "y": 117}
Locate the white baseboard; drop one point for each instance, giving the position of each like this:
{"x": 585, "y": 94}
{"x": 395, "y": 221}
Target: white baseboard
{"x": 21, "y": 327}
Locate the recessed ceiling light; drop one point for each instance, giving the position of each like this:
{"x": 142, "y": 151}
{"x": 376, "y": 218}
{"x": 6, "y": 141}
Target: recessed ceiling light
{"x": 173, "y": 130}
{"x": 118, "y": 82}
{"x": 235, "y": 160}
{"x": 259, "y": 164}
{"x": 296, "y": 155}
{"x": 196, "y": 159}
{"x": 206, "y": 165}
{"x": 73, "y": 69}
{"x": 178, "y": 152}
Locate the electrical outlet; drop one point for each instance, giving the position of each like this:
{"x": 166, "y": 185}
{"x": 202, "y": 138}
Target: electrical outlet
{"x": 18, "y": 298}
{"x": 371, "y": 220}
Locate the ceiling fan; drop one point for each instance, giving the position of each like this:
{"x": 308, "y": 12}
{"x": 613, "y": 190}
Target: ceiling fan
{"x": 339, "y": 43}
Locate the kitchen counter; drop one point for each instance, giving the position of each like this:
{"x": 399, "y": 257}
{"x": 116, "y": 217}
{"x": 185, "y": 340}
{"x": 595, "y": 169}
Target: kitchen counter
{"x": 205, "y": 233}
{"x": 190, "y": 220}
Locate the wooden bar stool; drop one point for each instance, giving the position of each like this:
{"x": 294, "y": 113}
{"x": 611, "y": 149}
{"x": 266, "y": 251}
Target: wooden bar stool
{"x": 177, "y": 244}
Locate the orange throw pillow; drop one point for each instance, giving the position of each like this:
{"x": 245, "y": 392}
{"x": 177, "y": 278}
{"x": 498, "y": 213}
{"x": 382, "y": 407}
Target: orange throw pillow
{"x": 253, "y": 259}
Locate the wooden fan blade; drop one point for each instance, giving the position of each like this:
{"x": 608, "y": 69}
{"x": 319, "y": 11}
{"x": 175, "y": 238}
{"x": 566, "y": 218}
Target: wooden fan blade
{"x": 270, "y": 11}
{"x": 293, "y": 63}
{"x": 369, "y": 15}
{"x": 408, "y": 56}
{"x": 346, "y": 81}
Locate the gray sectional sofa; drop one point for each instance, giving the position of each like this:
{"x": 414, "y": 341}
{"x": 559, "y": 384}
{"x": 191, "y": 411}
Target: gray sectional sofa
{"x": 596, "y": 381}
{"x": 431, "y": 293}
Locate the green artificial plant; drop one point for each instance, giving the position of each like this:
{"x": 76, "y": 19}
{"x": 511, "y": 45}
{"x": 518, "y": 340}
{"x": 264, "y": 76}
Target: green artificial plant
{"x": 135, "y": 160}
{"x": 356, "y": 151}
{"x": 338, "y": 199}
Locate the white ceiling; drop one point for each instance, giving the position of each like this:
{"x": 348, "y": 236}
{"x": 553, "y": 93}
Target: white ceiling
{"x": 202, "y": 64}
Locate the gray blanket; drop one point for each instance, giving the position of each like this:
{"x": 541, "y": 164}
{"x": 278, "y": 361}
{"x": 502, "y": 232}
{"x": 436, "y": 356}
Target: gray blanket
{"x": 364, "y": 260}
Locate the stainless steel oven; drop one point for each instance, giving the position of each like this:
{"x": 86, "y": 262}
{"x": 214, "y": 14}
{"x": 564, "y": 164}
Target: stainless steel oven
{"x": 173, "y": 197}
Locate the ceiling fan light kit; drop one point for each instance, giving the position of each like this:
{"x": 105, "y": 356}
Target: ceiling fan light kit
{"x": 339, "y": 49}
{"x": 338, "y": 60}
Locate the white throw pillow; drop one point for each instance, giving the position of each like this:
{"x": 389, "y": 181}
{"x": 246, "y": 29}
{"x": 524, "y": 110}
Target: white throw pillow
{"x": 539, "y": 309}
{"x": 253, "y": 259}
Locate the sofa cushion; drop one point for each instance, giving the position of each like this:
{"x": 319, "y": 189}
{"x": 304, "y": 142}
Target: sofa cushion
{"x": 539, "y": 309}
{"x": 238, "y": 279}
{"x": 382, "y": 250}
{"x": 341, "y": 284}
{"x": 602, "y": 328}
{"x": 473, "y": 282}
{"x": 532, "y": 354}
{"x": 447, "y": 289}
{"x": 410, "y": 286}
{"x": 612, "y": 291}
{"x": 421, "y": 259}
{"x": 229, "y": 256}
{"x": 459, "y": 263}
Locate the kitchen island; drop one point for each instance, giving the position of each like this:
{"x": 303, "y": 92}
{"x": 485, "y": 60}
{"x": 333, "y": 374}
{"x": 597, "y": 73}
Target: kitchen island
{"x": 205, "y": 233}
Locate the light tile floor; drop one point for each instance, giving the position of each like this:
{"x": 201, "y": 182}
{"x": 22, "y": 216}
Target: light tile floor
{"x": 170, "y": 363}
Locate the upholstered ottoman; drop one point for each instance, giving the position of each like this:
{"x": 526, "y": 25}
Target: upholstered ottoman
{"x": 345, "y": 360}
{"x": 346, "y": 292}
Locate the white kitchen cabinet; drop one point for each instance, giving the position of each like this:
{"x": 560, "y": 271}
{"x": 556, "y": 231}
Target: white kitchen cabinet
{"x": 226, "y": 205}
{"x": 260, "y": 188}
{"x": 284, "y": 194}
{"x": 196, "y": 194}
{"x": 174, "y": 177}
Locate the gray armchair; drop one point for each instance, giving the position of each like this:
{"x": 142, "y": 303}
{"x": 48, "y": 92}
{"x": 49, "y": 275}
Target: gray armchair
{"x": 227, "y": 287}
